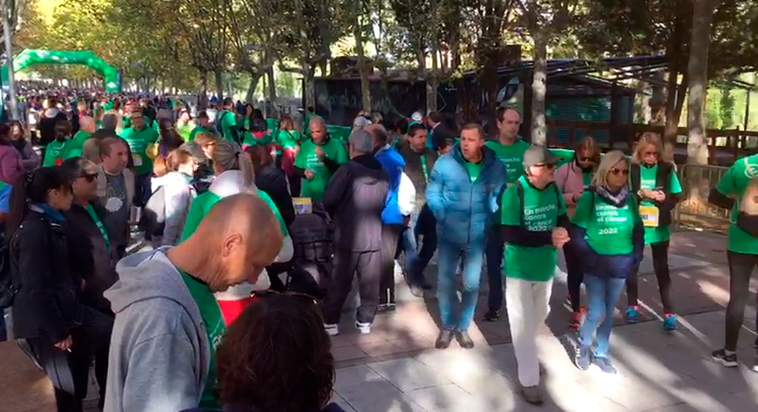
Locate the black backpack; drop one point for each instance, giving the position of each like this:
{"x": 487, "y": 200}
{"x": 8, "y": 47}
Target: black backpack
{"x": 154, "y": 213}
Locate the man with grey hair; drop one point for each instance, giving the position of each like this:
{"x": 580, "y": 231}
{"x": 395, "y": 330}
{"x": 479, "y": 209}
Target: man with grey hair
{"x": 355, "y": 198}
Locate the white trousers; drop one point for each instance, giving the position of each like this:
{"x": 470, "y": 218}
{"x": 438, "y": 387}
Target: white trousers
{"x": 528, "y": 305}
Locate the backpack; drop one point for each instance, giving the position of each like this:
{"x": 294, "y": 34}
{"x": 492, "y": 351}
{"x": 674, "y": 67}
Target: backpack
{"x": 747, "y": 211}
{"x": 154, "y": 213}
{"x": 520, "y": 194}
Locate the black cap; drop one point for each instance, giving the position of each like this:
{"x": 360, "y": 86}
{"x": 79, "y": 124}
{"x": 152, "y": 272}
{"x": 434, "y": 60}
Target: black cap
{"x": 539, "y": 155}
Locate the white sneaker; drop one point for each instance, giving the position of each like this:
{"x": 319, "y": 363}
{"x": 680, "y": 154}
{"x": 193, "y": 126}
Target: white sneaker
{"x": 363, "y": 328}
{"x": 332, "y": 330}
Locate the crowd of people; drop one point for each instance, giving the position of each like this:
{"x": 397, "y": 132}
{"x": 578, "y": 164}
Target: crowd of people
{"x": 208, "y": 316}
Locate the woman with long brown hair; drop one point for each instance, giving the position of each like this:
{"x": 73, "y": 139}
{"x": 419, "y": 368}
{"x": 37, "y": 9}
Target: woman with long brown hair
{"x": 655, "y": 183}
{"x": 573, "y": 178}
{"x": 289, "y": 140}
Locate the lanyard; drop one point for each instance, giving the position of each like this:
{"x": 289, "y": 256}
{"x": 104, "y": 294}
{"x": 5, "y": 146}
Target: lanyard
{"x": 423, "y": 167}
{"x": 100, "y": 226}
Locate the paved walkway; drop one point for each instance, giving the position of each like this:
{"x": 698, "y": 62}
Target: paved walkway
{"x": 396, "y": 368}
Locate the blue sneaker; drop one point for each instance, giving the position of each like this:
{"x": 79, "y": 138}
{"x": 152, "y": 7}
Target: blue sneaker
{"x": 669, "y": 322}
{"x": 631, "y": 314}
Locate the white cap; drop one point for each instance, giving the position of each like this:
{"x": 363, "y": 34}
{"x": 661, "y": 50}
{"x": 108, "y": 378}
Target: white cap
{"x": 417, "y": 116}
{"x": 361, "y": 122}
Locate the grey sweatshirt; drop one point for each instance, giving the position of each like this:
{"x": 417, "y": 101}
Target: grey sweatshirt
{"x": 159, "y": 354}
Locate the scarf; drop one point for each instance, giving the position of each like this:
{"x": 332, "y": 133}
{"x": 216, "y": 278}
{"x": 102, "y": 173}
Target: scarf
{"x": 615, "y": 199}
{"x": 54, "y": 214}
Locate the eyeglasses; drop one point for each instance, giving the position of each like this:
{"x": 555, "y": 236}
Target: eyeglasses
{"x": 617, "y": 172}
{"x": 89, "y": 177}
{"x": 650, "y": 153}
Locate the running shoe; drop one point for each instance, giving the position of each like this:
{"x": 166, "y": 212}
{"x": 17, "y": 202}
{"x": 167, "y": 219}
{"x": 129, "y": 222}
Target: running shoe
{"x": 631, "y": 314}
{"x": 727, "y": 359}
{"x": 669, "y": 322}
{"x": 363, "y": 327}
{"x": 332, "y": 329}
{"x": 492, "y": 315}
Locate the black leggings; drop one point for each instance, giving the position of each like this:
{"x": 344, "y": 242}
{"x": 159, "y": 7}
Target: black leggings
{"x": 574, "y": 279}
{"x": 661, "y": 267}
{"x": 741, "y": 267}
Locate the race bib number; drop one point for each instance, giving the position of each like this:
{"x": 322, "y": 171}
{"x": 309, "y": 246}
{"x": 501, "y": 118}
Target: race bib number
{"x": 650, "y": 215}
{"x": 137, "y": 160}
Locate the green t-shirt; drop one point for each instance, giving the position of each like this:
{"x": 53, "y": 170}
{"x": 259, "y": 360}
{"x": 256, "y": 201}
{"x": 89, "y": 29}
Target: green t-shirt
{"x": 512, "y": 157}
{"x": 307, "y": 159}
{"x": 474, "y": 169}
{"x": 586, "y": 178}
{"x": 185, "y": 131}
{"x": 288, "y": 139}
{"x": 656, "y": 233}
{"x": 228, "y": 123}
{"x": 80, "y": 137}
{"x": 609, "y": 228}
{"x": 202, "y": 204}
{"x": 139, "y": 141}
{"x": 541, "y": 209}
{"x": 56, "y": 152}
{"x": 247, "y": 136}
{"x": 201, "y": 129}
{"x": 741, "y": 183}
{"x": 214, "y": 328}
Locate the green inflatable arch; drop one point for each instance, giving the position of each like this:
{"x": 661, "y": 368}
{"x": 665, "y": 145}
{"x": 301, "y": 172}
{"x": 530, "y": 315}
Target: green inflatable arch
{"x": 31, "y": 57}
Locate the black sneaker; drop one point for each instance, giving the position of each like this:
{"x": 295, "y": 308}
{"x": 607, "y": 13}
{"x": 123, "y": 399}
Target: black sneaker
{"x": 464, "y": 340}
{"x": 605, "y": 365}
{"x": 492, "y": 315}
{"x": 582, "y": 359}
{"x": 728, "y": 360}
{"x": 444, "y": 339}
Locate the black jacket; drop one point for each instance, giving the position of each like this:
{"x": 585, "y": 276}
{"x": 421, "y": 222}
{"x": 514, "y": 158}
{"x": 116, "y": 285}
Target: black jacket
{"x": 90, "y": 258}
{"x": 47, "y": 121}
{"x": 273, "y": 181}
{"x": 355, "y": 198}
{"x": 46, "y": 304}
{"x": 662, "y": 179}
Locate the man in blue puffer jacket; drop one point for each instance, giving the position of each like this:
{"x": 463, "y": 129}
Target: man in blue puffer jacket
{"x": 462, "y": 194}
{"x": 393, "y": 220}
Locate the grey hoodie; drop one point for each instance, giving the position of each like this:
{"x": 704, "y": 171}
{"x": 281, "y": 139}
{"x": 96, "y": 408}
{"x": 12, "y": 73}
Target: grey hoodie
{"x": 159, "y": 354}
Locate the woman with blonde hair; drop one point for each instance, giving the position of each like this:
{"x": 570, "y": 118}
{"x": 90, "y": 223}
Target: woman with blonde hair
{"x": 658, "y": 190}
{"x": 607, "y": 232}
{"x": 234, "y": 174}
{"x": 573, "y": 178}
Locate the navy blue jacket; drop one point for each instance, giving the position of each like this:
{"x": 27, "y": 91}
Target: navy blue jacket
{"x": 464, "y": 209}
{"x": 608, "y": 266}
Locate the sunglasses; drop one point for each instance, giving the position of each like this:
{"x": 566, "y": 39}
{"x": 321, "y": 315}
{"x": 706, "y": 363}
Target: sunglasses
{"x": 89, "y": 177}
{"x": 650, "y": 153}
{"x": 617, "y": 172}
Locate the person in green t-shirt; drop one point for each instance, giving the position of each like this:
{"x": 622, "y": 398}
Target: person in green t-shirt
{"x": 607, "y": 233}
{"x": 318, "y": 159}
{"x": 509, "y": 149}
{"x": 184, "y": 125}
{"x": 203, "y": 125}
{"x": 227, "y": 121}
{"x": 63, "y": 147}
{"x": 289, "y": 139}
{"x": 87, "y": 126}
{"x": 534, "y": 222}
{"x": 168, "y": 323}
{"x": 655, "y": 182}
{"x": 738, "y": 191}
{"x": 141, "y": 140}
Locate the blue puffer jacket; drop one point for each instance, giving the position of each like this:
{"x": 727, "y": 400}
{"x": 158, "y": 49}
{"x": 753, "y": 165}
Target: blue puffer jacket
{"x": 392, "y": 163}
{"x": 464, "y": 210}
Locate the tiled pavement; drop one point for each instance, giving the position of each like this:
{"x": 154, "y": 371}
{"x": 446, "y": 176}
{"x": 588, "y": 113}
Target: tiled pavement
{"x": 396, "y": 369}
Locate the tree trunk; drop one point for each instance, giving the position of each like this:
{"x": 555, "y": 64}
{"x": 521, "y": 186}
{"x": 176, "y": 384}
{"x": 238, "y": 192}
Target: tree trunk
{"x": 539, "y": 90}
{"x": 271, "y": 87}
{"x": 254, "y": 79}
{"x": 309, "y": 90}
{"x": 218, "y": 75}
{"x": 432, "y": 78}
{"x": 697, "y": 142}
{"x": 203, "y": 100}
{"x": 362, "y": 69}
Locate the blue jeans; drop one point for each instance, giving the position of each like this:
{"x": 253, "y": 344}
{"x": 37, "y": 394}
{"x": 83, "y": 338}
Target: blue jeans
{"x": 602, "y": 295}
{"x": 447, "y": 297}
{"x": 495, "y": 248}
{"x": 416, "y": 260}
